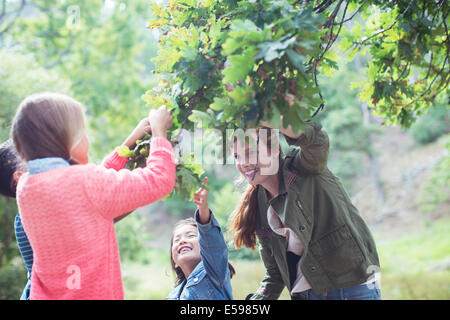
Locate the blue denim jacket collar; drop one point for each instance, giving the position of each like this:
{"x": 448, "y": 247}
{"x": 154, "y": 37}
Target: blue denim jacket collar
{"x": 46, "y": 164}
{"x": 198, "y": 273}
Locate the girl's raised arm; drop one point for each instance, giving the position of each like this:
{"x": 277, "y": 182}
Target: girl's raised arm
{"x": 213, "y": 248}
{"x": 114, "y": 192}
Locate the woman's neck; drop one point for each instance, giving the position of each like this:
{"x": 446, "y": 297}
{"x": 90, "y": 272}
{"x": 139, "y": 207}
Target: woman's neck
{"x": 271, "y": 185}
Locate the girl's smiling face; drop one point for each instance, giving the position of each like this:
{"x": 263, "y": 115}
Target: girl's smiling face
{"x": 185, "y": 247}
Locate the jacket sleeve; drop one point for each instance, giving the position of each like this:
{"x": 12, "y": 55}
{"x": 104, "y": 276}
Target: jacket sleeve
{"x": 314, "y": 147}
{"x": 213, "y": 250}
{"x": 112, "y": 192}
{"x": 272, "y": 285}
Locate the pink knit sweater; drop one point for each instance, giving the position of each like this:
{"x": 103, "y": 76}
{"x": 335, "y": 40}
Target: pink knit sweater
{"x": 68, "y": 214}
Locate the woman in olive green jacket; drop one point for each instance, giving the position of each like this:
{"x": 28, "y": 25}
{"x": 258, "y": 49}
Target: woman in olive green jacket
{"x": 311, "y": 238}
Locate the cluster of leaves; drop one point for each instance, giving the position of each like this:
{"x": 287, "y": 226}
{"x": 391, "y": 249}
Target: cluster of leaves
{"x": 229, "y": 64}
{"x": 188, "y": 174}
{"x": 409, "y": 44}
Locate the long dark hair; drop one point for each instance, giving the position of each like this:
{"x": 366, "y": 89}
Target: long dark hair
{"x": 178, "y": 272}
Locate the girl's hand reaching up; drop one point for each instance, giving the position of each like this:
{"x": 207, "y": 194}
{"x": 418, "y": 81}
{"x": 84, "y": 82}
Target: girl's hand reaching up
{"x": 161, "y": 120}
{"x": 201, "y": 200}
{"x": 139, "y": 132}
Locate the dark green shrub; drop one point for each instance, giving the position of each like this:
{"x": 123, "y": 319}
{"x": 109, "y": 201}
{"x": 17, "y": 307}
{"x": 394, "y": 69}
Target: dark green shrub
{"x": 431, "y": 126}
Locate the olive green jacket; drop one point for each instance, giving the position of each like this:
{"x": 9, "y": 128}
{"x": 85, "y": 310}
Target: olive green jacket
{"x": 339, "y": 248}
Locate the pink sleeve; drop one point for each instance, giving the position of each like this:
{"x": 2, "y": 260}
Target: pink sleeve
{"x": 112, "y": 193}
{"x": 114, "y": 161}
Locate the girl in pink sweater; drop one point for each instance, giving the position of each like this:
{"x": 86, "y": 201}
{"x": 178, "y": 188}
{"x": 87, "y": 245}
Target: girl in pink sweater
{"x": 68, "y": 211}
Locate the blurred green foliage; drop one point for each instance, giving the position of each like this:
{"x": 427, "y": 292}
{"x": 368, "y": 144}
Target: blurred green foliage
{"x": 101, "y": 47}
{"x": 344, "y": 122}
{"x": 20, "y": 76}
{"x": 437, "y": 189}
{"x": 432, "y": 125}
{"x": 13, "y": 278}
{"x": 132, "y": 237}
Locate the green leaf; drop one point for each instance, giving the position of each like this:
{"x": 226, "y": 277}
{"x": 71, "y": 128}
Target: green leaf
{"x": 219, "y": 104}
{"x": 124, "y": 151}
{"x": 200, "y": 117}
{"x": 231, "y": 45}
{"x": 239, "y": 66}
{"x": 296, "y": 59}
{"x": 241, "y": 96}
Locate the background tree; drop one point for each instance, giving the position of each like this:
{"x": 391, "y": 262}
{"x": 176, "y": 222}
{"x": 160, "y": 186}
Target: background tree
{"x": 94, "y": 43}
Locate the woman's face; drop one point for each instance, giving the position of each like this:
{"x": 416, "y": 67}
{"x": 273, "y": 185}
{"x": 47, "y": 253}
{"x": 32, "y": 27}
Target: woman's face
{"x": 255, "y": 172}
{"x": 185, "y": 247}
{"x": 80, "y": 152}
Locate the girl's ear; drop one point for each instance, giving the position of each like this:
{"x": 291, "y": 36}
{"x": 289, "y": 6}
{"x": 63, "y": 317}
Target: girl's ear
{"x": 17, "y": 175}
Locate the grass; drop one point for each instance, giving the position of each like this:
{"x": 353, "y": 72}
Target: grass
{"x": 417, "y": 266}
{"x": 412, "y": 267}
{"x": 155, "y": 281}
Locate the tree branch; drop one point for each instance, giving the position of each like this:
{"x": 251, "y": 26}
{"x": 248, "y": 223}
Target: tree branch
{"x": 3, "y": 9}
{"x": 429, "y": 87}
{"x": 353, "y": 15}
{"x": 4, "y": 14}
{"x": 190, "y": 103}
{"x": 387, "y": 29}
{"x": 328, "y": 23}
{"x": 63, "y": 53}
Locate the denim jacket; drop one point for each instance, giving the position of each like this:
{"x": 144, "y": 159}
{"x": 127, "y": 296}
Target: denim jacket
{"x": 210, "y": 280}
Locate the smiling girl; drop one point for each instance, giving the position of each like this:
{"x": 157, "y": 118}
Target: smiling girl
{"x": 199, "y": 256}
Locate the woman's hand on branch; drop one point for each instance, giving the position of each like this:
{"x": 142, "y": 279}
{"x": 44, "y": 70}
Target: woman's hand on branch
{"x": 285, "y": 131}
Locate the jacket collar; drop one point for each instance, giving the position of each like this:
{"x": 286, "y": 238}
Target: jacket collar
{"x": 46, "y": 164}
{"x": 198, "y": 273}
